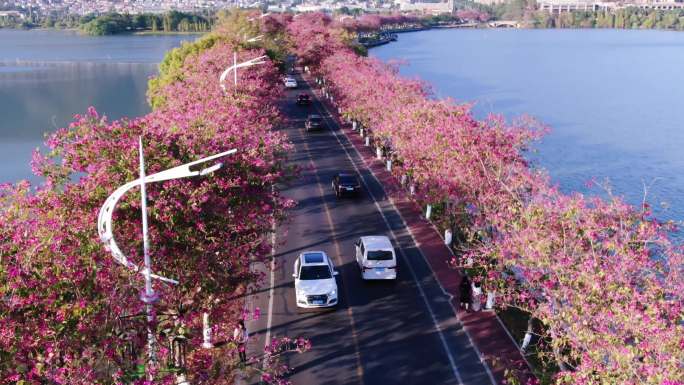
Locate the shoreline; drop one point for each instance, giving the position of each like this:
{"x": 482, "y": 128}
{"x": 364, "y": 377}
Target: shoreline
{"x": 507, "y": 24}
{"x": 521, "y": 28}
{"x": 80, "y": 32}
{"x": 152, "y": 33}
{"x": 666, "y": 207}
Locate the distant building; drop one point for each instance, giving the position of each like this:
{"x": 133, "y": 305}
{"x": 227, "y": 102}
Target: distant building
{"x": 434, "y": 7}
{"x": 656, "y": 4}
{"x": 489, "y": 2}
{"x": 560, "y": 6}
{"x": 13, "y": 14}
{"x": 329, "y": 6}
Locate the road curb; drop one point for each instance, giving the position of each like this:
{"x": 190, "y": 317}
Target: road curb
{"x": 485, "y": 330}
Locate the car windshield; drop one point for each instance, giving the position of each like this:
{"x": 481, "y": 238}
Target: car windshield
{"x": 314, "y": 272}
{"x": 379, "y": 255}
{"x": 347, "y": 180}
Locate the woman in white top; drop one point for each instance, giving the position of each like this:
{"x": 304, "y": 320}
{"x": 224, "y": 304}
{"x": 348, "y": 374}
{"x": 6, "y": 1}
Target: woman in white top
{"x": 240, "y": 335}
{"x": 477, "y": 294}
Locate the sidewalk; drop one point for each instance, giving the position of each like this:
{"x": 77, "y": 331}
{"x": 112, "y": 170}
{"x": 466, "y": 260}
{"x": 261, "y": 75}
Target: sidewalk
{"x": 485, "y": 329}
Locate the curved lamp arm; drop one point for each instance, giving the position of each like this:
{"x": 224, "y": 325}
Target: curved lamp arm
{"x": 234, "y": 67}
{"x": 104, "y": 218}
{"x": 258, "y": 17}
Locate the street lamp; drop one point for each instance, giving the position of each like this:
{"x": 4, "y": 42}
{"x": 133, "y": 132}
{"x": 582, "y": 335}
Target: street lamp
{"x": 104, "y": 228}
{"x": 259, "y": 17}
{"x": 253, "y": 39}
{"x": 235, "y": 66}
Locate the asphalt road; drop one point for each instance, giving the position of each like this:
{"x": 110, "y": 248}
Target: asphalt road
{"x": 402, "y": 332}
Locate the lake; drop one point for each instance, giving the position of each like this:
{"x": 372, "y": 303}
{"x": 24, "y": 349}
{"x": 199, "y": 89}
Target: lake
{"x": 614, "y": 99}
{"x": 48, "y": 76}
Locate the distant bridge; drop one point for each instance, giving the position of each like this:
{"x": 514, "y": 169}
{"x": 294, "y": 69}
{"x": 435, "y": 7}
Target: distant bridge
{"x": 504, "y": 24}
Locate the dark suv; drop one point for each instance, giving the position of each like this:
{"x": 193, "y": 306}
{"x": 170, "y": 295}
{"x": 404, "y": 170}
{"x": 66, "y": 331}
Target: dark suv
{"x": 346, "y": 184}
{"x": 314, "y": 122}
{"x": 303, "y": 99}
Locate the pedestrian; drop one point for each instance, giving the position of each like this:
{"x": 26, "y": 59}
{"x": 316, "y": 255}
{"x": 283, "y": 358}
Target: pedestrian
{"x": 465, "y": 292}
{"x": 477, "y": 294}
{"x": 240, "y": 335}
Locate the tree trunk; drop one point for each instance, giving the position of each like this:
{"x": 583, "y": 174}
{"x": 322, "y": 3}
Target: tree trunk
{"x": 528, "y": 335}
{"x": 557, "y": 354}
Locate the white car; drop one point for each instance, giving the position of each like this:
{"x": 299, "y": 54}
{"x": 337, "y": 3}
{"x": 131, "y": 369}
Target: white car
{"x": 315, "y": 284}
{"x": 376, "y": 257}
{"x": 290, "y": 82}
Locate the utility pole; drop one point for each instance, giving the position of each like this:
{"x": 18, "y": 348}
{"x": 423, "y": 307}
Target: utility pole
{"x": 149, "y": 297}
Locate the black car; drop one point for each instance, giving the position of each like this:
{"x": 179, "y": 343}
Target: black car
{"x": 303, "y": 100}
{"x": 346, "y": 184}
{"x": 314, "y": 122}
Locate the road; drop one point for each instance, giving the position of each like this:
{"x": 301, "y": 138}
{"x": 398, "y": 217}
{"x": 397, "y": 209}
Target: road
{"x": 402, "y": 332}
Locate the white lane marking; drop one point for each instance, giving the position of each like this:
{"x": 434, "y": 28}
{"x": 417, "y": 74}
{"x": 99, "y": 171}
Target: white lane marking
{"x": 350, "y": 312}
{"x": 269, "y": 320}
{"x": 452, "y": 362}
{"x": 432, "y": 315}
{"x": 448, "y": 295}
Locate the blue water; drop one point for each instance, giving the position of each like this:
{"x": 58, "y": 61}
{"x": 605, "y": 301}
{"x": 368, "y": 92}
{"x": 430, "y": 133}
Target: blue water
{"x": 48, "y": 76}
{"x": 613, "y": 99}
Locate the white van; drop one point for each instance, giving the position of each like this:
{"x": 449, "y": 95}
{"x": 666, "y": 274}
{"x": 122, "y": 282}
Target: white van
{"x": 376, "y": 258}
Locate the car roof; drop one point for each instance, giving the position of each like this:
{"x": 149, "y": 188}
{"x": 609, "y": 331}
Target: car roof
{"x": 348, "y": 174}
{"x": 315, "y": 116}
{"x": 314, "y": 258}
{"x": 377, "y": 242}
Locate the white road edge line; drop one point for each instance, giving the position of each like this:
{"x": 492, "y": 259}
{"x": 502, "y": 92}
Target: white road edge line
{"x": 452, "y": 362}
{"x": 415, "y": 241}
{"x": 269, "y": 319}
{"x": 508, "y": 333}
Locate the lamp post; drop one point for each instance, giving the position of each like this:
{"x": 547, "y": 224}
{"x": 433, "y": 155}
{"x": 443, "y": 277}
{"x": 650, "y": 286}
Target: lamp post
{"x": 246, "y": 40}
{"x": 104, "y": 229}
{"x": 235, "y": 66}
{"x": 258, "y": 17}
{"x": 253, "y": 39}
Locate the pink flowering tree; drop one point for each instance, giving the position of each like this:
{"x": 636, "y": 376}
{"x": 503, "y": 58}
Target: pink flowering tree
{"x": 69, "y": 313}
{"x": 312, "y": 38}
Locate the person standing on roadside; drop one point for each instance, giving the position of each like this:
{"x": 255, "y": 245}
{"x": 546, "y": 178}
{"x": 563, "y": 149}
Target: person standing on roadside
{"x": 477, "y": 295}
{"x": 464, "y": 290}
{"x": 240, "y": 335}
